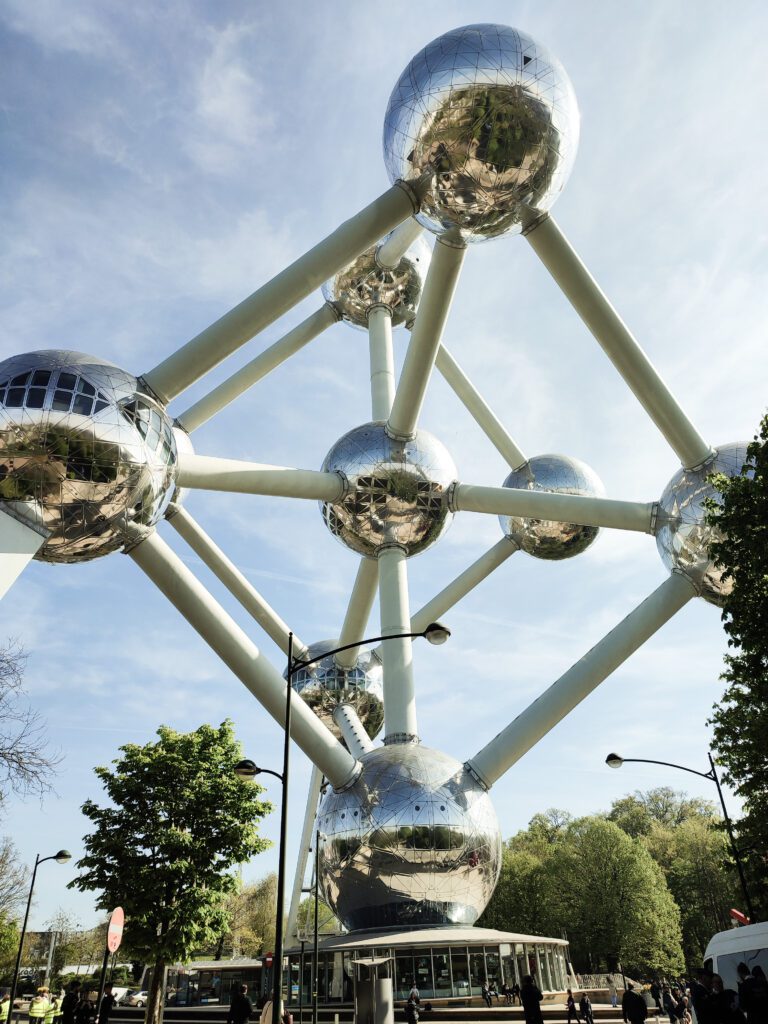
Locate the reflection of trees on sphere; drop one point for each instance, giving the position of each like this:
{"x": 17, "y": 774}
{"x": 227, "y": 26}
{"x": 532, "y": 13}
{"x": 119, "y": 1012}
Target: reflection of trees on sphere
{"x": 363, "y": 283}
{"x": 397, "y": 490}
{"x": 562, "y": 475}
{"x": 490, "y": 118}
{"x": 84, "y": 448}
{"x": 414, "y": 841}
{"x": 326, "y": 684}
{"x": 684, "y": 536}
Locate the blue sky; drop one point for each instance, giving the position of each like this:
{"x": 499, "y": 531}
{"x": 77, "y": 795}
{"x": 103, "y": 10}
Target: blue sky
{"x": 159, "y": 162}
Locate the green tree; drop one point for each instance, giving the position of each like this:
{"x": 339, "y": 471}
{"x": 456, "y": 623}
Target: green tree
{"x": 9, "y": 947}
{"x": 740, "y": 719}
{"x": 589, "y": 879}
{"x": 694, "y": 859}
{"x": 637, "y": 814}
{"x": 252, "y": 913}
{"x": 179, "y": 820}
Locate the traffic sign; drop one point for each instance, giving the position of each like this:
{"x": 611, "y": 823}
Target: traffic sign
{"x": 115, "y": 929}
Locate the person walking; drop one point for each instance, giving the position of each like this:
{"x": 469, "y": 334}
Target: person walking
{"x": 633, "y": 1007}
{"x": 530, "y": 997}
{"x": 53, "y": 1009}
{"x": 753, "y": 995}
{"x": 107, "y": 1004}
{"x": 5, "y": 1007}
{"x": 69, "y": 1003}
{"x": 585, "y": 1006}
{"x": 613, "y": 993}
{"x": 570, "y": 1007}
{"x": 412, "y": 1006}
{"x": 240, "y": 1009}
{"x": 656, "y": 994}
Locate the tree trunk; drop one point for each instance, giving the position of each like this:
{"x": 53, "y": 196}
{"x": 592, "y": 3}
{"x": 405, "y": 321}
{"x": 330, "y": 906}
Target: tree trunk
{"x": 154, "y": 1013}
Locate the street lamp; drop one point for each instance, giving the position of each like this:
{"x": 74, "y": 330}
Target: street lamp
{"x": 62, "y": 857}
{"x": 435, "y": 633}
{"x": 616, "y": 761}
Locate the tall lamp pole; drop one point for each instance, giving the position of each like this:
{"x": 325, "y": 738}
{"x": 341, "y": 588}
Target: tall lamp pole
{"x": 62, "y": 857}
{"x": 435, "y": 633}
{"x": 616, "y": 761}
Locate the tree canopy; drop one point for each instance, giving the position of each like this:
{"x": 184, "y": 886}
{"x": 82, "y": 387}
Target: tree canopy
{"x": 740, "y": 719}
{"x": 179, "y": 820}
{"x": 589, "y": 879}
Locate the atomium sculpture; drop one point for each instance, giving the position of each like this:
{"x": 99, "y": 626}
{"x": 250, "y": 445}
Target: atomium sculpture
{"x": 479, "y": 138}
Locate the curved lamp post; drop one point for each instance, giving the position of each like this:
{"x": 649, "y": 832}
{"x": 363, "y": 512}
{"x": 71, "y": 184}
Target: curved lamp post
{"x": 436, "y": 633}
{"x": 616, "y": 761}
{"x": 62, "y": 857}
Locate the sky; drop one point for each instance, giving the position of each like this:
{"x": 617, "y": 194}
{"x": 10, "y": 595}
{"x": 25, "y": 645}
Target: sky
{"x": 160, "y": 162}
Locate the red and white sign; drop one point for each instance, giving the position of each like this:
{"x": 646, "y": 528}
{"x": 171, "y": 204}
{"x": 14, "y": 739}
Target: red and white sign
{"x": 115, "y": 930}
{"x": 738, "y": 916}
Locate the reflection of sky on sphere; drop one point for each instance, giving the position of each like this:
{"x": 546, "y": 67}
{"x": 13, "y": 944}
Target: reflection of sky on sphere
{"x": 157, "y": 171}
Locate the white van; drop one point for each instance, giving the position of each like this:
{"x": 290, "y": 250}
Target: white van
{"x": 727, "y": 950}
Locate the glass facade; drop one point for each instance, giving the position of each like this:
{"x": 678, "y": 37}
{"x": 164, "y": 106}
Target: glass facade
{"x": 440, "y": 972}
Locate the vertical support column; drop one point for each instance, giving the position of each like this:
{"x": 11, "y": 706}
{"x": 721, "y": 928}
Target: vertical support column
{"x": 305, "y": 848}
{"x": 397, "y": 655}
{"x": 382, "y": 361}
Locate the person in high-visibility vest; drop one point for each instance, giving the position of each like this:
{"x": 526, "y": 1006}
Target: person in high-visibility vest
{"x": 53, "y": 1009}
{"x": 5, "y": 1007}
{"x": 39, "y": 1006}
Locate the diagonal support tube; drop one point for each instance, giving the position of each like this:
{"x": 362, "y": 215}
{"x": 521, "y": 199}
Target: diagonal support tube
{"x": 400, "y": 724}
{"x": 230, "y": 389}
{"x": 390, "y": 252}
{"x": 463, "y": 584}
{"x": 382, "y": 362}
{"x": 358, "y": 611}
{"x": 305, "y": 849}
{"x": 189, "y": 363}
{"x": 435, "y": 304}
{"x": 584, "y": 294}
{"x": 20, "y": 540}
{"x": 213, "y": 474}
{"x": 172, "y": 577}
{"x": 352, "y": 729}
{"x": 234, "y": 580}
{"x": 477, "y": 408}
{"x": 581, "y": 679}
{"x": 558, "y": 508}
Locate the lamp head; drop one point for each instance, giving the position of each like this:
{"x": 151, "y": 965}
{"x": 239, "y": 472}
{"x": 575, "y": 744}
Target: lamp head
{"x": 614, "y": 761}
{"x": 63, "y": 857}
{"x": 247, "y": 769}
{"x": 436, "y": 633}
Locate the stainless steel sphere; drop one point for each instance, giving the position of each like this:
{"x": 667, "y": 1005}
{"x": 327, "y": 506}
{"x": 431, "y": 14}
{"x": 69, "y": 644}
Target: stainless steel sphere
{"x": 683, "y": 536}
{"x": 397, "y": 490}
{"x": 564, "y": 475}
{"x": 325, "y": 685}
{"x": 490, "y": 118}
{"x": 364, "y": 284}
{"x": 415, "y": 841}
{"x": 85, "y": 449}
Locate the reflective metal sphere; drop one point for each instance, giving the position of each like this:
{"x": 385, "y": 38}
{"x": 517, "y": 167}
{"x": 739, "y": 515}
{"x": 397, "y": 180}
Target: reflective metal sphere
{"x": 415, "y": 841}
{"x": 325, "y": 685}
{"x": 83, "y": 445}
{"x": 364, "y": 283}
{"x": 562, "y": 474}
{"x": 397, "y": 490}
{"x": 490, "y": 117}
{"x": 683, "y": 537}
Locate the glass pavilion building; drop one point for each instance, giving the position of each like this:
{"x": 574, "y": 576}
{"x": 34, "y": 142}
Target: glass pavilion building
{"x": 445, "y": 963}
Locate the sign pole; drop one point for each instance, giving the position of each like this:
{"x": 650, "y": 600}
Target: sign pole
{"x": 114, "y": 938}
